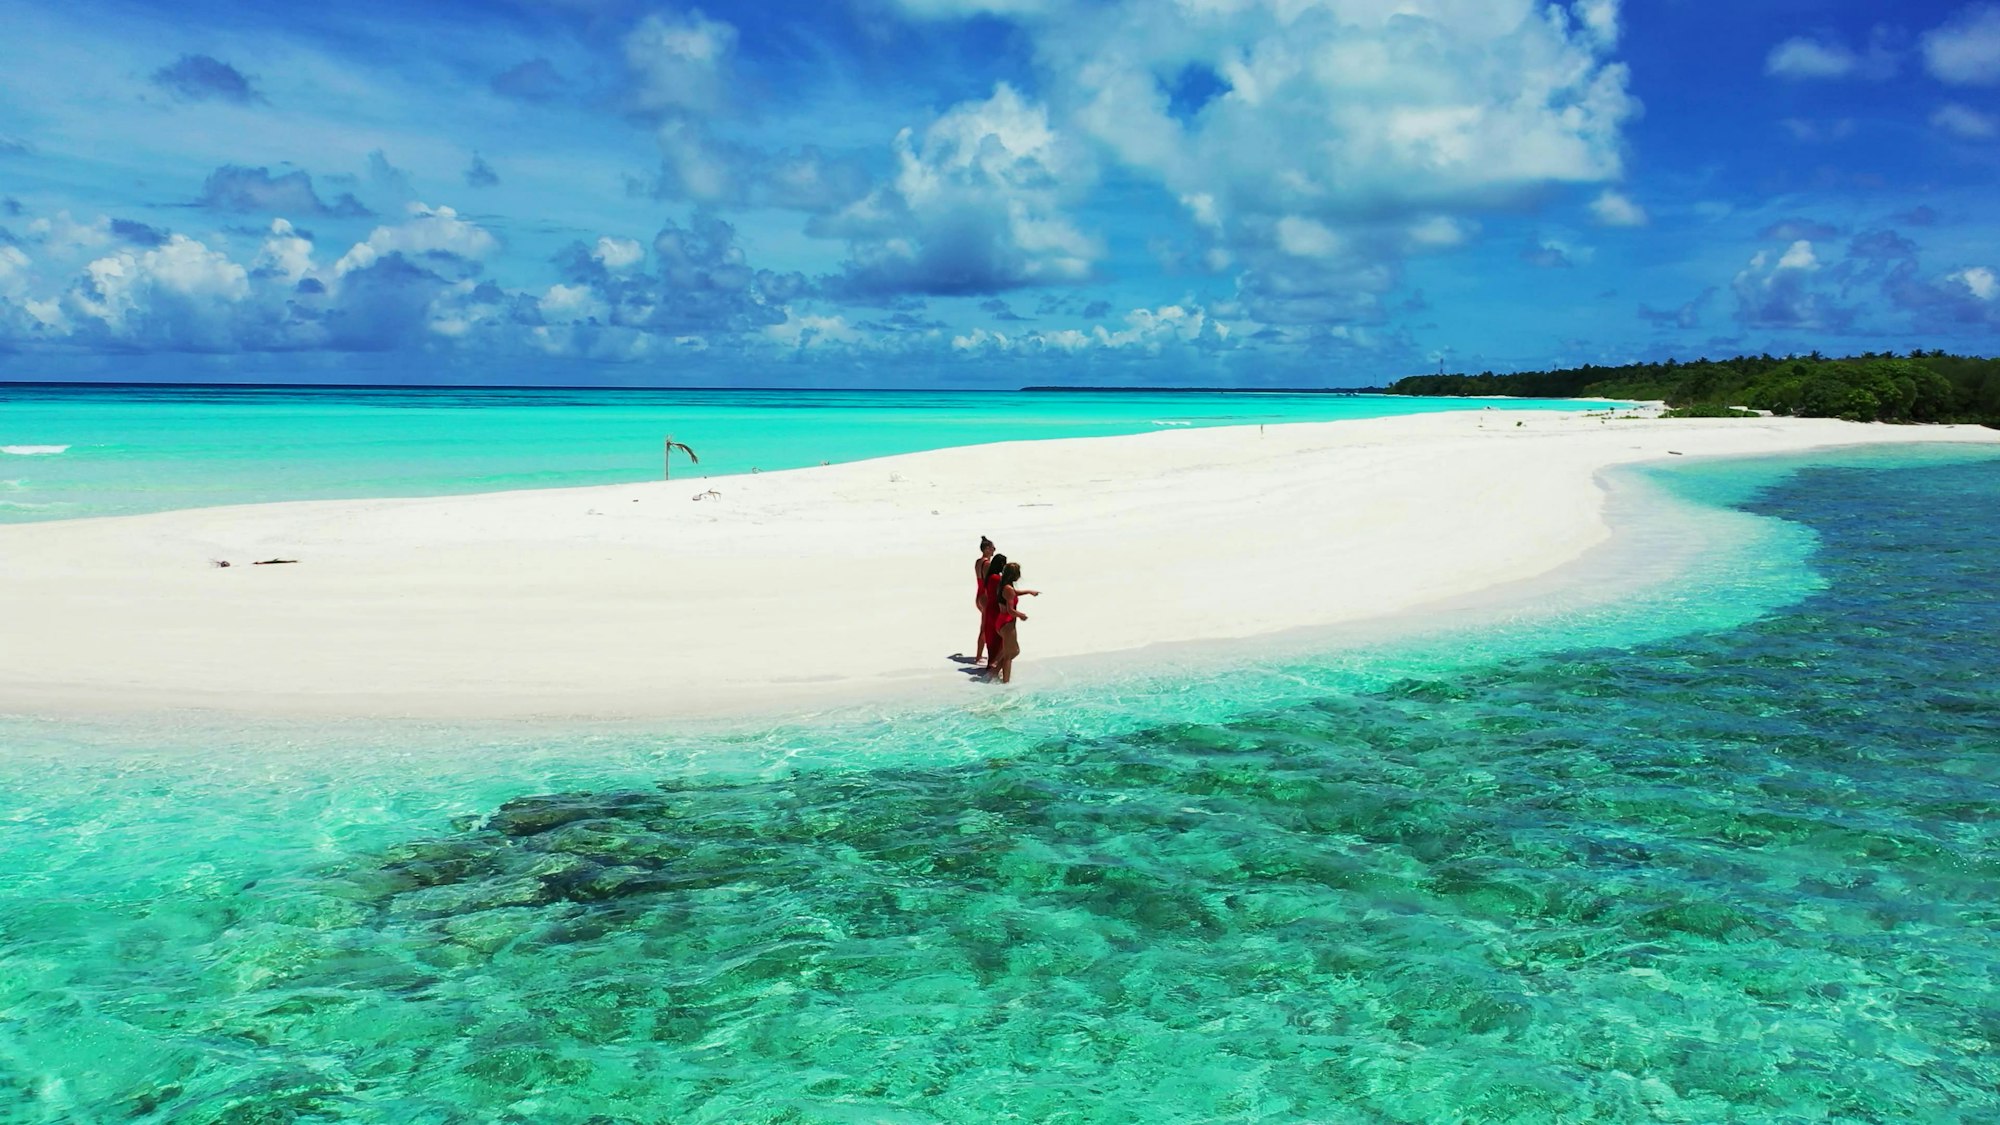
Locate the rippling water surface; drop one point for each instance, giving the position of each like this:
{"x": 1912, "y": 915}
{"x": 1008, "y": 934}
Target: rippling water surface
{"x": 1604, "y": 870}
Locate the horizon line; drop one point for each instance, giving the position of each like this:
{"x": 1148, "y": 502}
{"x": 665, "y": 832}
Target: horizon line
{"x": 628, "y": 387}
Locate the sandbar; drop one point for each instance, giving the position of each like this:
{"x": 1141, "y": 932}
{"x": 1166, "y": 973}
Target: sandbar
{"x": 789, "y": 591}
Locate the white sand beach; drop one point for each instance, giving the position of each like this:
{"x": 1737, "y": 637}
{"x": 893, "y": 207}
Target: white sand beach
{"x": 792, "y": 590}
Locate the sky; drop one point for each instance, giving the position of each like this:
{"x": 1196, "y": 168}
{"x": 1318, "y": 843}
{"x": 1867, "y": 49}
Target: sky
{"x": 987, "y": 193}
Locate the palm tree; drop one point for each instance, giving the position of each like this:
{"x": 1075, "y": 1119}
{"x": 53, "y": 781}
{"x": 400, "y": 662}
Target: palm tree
{"x": 673, "y": 445}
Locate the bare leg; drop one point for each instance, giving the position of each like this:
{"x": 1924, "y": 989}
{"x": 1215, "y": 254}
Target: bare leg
{"x": 1007, "y": 670}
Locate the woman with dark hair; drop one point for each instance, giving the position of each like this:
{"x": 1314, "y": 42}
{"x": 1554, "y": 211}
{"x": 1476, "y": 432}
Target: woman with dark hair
{"x": 1006, "y": 645}
{"x": 979, "y": 566}
{"x": 989, "y": 611}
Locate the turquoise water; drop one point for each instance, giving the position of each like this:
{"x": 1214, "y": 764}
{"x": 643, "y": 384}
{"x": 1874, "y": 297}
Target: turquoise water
{"x": 1722, "y": 850}
{"x": 71, "y": 451}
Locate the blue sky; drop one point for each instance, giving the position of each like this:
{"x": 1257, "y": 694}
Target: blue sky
{"x": 960, "y": 193}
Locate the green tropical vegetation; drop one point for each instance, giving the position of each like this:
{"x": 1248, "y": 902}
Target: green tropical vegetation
{"x": 1872, "y": 387}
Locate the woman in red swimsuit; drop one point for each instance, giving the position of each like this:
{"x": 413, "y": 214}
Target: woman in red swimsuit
{"x": 1005, "y": 644}
{"x": 979, "y": 566}
{"x": 989, "y": 621}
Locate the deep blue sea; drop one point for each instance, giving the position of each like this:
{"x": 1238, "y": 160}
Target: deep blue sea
{"x": 72, "y": 450}
{"x": 1723, "y": 846}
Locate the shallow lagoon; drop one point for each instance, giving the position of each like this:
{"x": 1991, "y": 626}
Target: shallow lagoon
{"x": 74, "y": 450}
{"x": 1724, "y": 848}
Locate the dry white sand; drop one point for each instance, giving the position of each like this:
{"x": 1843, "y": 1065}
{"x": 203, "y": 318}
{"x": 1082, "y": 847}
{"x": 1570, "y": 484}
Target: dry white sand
{"x": 790, "y": 590}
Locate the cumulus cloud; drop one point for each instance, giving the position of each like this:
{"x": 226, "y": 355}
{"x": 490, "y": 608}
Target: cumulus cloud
{"x": 809, "y": 331}
{"x": 256, "y": 191}
{"x": 200, "y": 78}
{"x": 976, "y": 206}
{"x": 1964, "y": 297}
{"x": 1343, "y": 111}
{"x": 1147, "y": 330}
{"x": 434, "y": 233}
{"x": 286, "y": 254}
{"x": 618, "y": 255}
{"x": 1979, "y": 281}
{"x": 1332, "y": 133}
{"x": 63, "y": 235}
{"x": 415, "y": 284}
{"x": 698, "y": 290}
{"x": 1778, "y": 291}
{"x": 1964, "y": 121}
{"x": 1613, "y": 209}
{"x": 1965, "y": 50}
{"x": 180, "y": 295}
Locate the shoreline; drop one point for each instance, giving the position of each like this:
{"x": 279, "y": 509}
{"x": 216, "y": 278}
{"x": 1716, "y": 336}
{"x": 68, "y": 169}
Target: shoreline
{"x": 793, "y": 591}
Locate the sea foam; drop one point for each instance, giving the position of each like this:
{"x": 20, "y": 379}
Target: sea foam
{"x": 33, "y": 450}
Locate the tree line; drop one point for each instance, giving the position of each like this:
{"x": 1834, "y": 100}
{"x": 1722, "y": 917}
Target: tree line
{"x": 1872, "y": 387}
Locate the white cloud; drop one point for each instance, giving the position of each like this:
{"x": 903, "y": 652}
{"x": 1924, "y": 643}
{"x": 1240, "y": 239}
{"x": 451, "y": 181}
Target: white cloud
{"x": 1778, "y": 292}
{"x": 432, "y": 231}
{"x": 566, "y": 304}
{"x": 179, "y": 292}
{"x": 1616, "y": 210}
{"x": 1332, "y": 111}
{"x": 976, "y": 205}
{"x": 1150, "y": 330}
{"x": 1981, "y": 281}
{"x": 618, "y": 254}
{"x": 284, "y": 253}
{"x": 1599, "y": 18}
{"x": 680, "y": 63}
{"x": 1965, "y": 51}
{"x": 1964, "y": 121}
{"x": 807, "y": 331}
{"x": 1337, "y": 131}
{"x": 64, "y": 235}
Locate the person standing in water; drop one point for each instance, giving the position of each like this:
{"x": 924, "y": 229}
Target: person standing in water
{"x": 979, "y": 566}
{"x": 1007, "y": 612}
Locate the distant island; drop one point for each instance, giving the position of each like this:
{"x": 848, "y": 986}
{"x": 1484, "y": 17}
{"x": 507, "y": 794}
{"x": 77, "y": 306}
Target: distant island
{"x": 1872, "y": 387}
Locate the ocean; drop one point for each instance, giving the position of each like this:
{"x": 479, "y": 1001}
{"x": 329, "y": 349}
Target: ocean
{"x": 1712, "y": 842}
{"x": 75, "y": 450}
